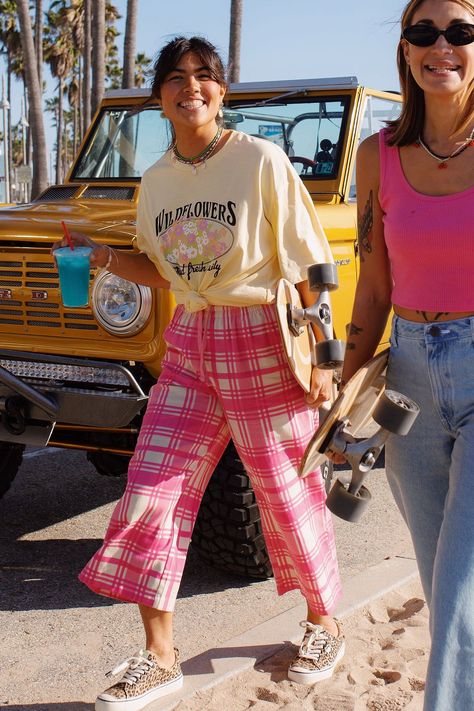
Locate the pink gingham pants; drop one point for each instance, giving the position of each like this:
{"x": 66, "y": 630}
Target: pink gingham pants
{"x": 224, "y": 375}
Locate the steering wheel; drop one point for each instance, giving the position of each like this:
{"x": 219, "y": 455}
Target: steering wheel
{"x": 307, "y": 163}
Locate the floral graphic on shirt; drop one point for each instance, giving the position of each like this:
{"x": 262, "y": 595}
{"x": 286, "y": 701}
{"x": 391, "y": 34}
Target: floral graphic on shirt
{"x": 191, "y": 243}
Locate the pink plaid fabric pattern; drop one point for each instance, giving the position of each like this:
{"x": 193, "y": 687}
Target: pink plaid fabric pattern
{"x": 224, "y": 375}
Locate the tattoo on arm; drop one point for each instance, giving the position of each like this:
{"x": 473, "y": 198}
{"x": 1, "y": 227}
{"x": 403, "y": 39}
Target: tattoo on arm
{"x": 354, "y": 330}
{"x": 434, "y": 317}
{"x": 364, "y": 227}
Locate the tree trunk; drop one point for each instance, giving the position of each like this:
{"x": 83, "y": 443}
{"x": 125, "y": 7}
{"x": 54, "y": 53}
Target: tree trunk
{"x": 39, "y": 41}
{"x": 234, "y": 40}
{"x": 59, "y": 138}
{"x": 9, "y": 121}
{"x": 40, "y": 166}
{"x": 86, "y": 74}
{"x": 129, "y": 45}
{"x": 98, "y": 54}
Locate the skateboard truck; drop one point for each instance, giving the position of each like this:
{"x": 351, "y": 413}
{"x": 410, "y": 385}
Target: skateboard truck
{"x": 295, "y": 324}
{"x": 394, "y": 414}
{"x": 364, "y": 401}
{"x": 329, "y": 353}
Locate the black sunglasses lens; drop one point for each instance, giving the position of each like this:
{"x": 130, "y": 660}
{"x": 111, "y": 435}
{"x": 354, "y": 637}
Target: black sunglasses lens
{"x": 421, "y": 35}
{"x": 461, "y": 34}
{"x": 424, "y": 35}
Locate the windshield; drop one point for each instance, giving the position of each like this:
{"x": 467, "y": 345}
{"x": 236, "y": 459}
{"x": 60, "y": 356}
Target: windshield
{"x": 310, "y": 131}
{"x": 125, "y": 143}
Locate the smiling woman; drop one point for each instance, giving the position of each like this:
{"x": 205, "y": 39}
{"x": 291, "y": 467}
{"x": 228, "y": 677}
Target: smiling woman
{"x": 415, "y": 235}
{"x": 222, "y": 218}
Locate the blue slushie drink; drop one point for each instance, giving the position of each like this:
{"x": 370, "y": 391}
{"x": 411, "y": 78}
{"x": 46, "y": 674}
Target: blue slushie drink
{"x": 74, "y": 268}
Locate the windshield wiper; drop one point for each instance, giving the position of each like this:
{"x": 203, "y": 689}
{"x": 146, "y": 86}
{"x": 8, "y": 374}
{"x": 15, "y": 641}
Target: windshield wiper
{"x": 272, "y": 99}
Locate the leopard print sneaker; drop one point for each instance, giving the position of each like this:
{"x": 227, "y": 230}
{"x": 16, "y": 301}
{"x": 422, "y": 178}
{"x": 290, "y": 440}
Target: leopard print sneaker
{"x": 318, "y": 654}
{"x": 144, "y": 681}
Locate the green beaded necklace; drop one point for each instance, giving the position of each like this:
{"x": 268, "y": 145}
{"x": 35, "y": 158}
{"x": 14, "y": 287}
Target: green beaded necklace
{"x": 203, "y": 155}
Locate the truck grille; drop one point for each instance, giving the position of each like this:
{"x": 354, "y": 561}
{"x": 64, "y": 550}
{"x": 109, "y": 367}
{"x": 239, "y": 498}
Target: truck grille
{"x": 30, "y": 298}
{"x": 58, "y": 192}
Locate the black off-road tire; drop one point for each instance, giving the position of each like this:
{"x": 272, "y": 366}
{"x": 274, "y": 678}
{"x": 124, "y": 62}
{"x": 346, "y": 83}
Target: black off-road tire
{"x": 11, "y": 456}
{"x": 108, "y": 464}
{"x": 228, "y": 532}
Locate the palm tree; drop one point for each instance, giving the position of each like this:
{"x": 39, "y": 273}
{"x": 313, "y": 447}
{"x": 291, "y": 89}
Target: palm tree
{"x": 142, "y": 64}
{"x": 11, "y": 46}
{"x": 61, "y": 58}
{"x": 113, "y": 70}
{"x": 234, "y": 40}
{"x": 40, "y": 165}
{"x": 39, "y": 40}
{"x": 129, "y": 45}
{"x": 86, "y": 68}
{"x": 98, "y": 53}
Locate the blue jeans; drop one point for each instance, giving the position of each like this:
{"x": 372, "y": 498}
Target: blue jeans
{"x": 431, "y": 474}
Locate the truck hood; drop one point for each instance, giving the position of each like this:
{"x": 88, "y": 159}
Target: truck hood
{"x": 42, "y": 220}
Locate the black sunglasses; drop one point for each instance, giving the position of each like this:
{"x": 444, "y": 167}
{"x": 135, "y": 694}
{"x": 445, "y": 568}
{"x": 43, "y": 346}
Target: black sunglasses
{"x": 425, "y": 35}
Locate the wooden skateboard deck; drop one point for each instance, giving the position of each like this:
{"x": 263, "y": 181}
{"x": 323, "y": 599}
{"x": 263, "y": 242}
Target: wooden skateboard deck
{"x": 299, "y": 349}
{"x": 354, "y": 405}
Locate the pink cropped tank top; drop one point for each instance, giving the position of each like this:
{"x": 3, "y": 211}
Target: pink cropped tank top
{"x": 430, "y": 240}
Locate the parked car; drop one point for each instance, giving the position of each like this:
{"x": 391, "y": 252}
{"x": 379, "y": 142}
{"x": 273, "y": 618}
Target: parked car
{"x": 79, "y": 378}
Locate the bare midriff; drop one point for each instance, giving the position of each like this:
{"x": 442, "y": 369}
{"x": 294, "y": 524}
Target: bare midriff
{"x": 430, "y": 316}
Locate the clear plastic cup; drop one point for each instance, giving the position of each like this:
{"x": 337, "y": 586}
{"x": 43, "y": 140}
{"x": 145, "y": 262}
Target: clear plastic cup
{"x": 74, "y": 269}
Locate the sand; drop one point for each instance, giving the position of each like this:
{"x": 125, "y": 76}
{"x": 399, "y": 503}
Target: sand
{"x": 387, "y": 647}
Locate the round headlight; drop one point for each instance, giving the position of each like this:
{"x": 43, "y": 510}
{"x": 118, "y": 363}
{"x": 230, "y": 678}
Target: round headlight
{"x": 120, "y": 306}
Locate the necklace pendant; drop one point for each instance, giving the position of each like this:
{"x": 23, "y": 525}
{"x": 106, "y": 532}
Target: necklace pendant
{"x": 442, "y": 166}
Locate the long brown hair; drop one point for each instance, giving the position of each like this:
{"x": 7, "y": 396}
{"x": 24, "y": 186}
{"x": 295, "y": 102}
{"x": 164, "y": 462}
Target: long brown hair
{"x": 409, "y": 125}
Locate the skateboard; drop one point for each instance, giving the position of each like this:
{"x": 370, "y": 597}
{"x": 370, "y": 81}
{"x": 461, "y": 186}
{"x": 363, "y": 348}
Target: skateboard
{"x": 295, "y": 323}
{"x": 364, "y": 404}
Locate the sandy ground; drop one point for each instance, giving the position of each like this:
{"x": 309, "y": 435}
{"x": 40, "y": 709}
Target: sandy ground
{"x": 387, "y": 647}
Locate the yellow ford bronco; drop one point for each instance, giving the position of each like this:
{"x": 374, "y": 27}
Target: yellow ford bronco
{"x": 79, "y": 378}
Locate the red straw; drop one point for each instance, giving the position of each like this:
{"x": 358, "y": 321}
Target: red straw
{"x": 67, "y": 235}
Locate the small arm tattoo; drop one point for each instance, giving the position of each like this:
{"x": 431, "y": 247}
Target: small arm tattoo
{"x": 354, "y": 330}
{"x": 365, "y": 222}
{"x": 350, "y": 346}
{"x": 430, "y": 316}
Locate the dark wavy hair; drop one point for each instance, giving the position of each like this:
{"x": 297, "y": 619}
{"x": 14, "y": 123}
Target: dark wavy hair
{"x": 171, "y": 54}
{"x": 409, "y": 125}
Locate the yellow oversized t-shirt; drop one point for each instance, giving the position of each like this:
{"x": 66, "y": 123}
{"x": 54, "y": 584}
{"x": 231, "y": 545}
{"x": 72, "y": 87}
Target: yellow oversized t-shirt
{"x": 226, "y": 232}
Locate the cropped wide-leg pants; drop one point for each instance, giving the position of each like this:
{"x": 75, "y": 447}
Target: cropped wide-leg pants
{"x": 431, "y": 473}
{"x": 224, "y": 376}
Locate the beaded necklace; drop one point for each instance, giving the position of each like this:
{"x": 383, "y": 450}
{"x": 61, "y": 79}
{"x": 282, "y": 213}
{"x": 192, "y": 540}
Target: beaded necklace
{"x": 442, "y": 160}
{"x": 200, "y": 157}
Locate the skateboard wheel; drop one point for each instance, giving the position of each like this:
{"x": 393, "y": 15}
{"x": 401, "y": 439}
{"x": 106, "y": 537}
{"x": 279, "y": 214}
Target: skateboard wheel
{"x": 395, "y": 412}
{"x": 323, "y": 277}
{"x": 345, "y": 505}
{"x": 330, "y": 354}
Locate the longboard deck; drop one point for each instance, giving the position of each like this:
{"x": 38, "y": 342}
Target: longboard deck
{"x": 299, "y": 349}
{"x": 354, "y": 405}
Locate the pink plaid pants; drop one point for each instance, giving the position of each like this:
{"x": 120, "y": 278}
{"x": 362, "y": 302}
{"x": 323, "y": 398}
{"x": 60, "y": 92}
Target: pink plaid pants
{"x": 224, "y": 375}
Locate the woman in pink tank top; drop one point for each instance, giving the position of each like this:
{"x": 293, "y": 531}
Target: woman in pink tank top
{"x": 415, "y": 185}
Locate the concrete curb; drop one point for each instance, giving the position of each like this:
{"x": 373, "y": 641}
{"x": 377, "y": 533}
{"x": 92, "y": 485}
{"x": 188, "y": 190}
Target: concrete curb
{"x": 242, "y": 652}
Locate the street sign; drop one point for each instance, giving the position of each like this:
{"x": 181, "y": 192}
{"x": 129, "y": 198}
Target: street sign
{"x": 23, "y": 174}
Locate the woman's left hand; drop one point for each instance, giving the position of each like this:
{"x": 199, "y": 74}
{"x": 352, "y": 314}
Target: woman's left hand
{"x": 321, "y": 387}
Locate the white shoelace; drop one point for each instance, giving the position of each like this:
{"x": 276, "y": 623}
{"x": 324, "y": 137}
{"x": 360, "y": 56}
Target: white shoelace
{"x": 316, "y": 641}
{"x": 136, "y": 667}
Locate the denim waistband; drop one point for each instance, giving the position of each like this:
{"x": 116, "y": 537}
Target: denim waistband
{"x": 462, "y": 328}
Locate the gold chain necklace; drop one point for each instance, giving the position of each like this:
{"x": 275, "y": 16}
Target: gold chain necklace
{"x": 442, "y": 160}
{"x": 203, "y": 155}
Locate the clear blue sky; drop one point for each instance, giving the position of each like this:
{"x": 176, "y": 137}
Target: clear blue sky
{"x": 281, "y": 39}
